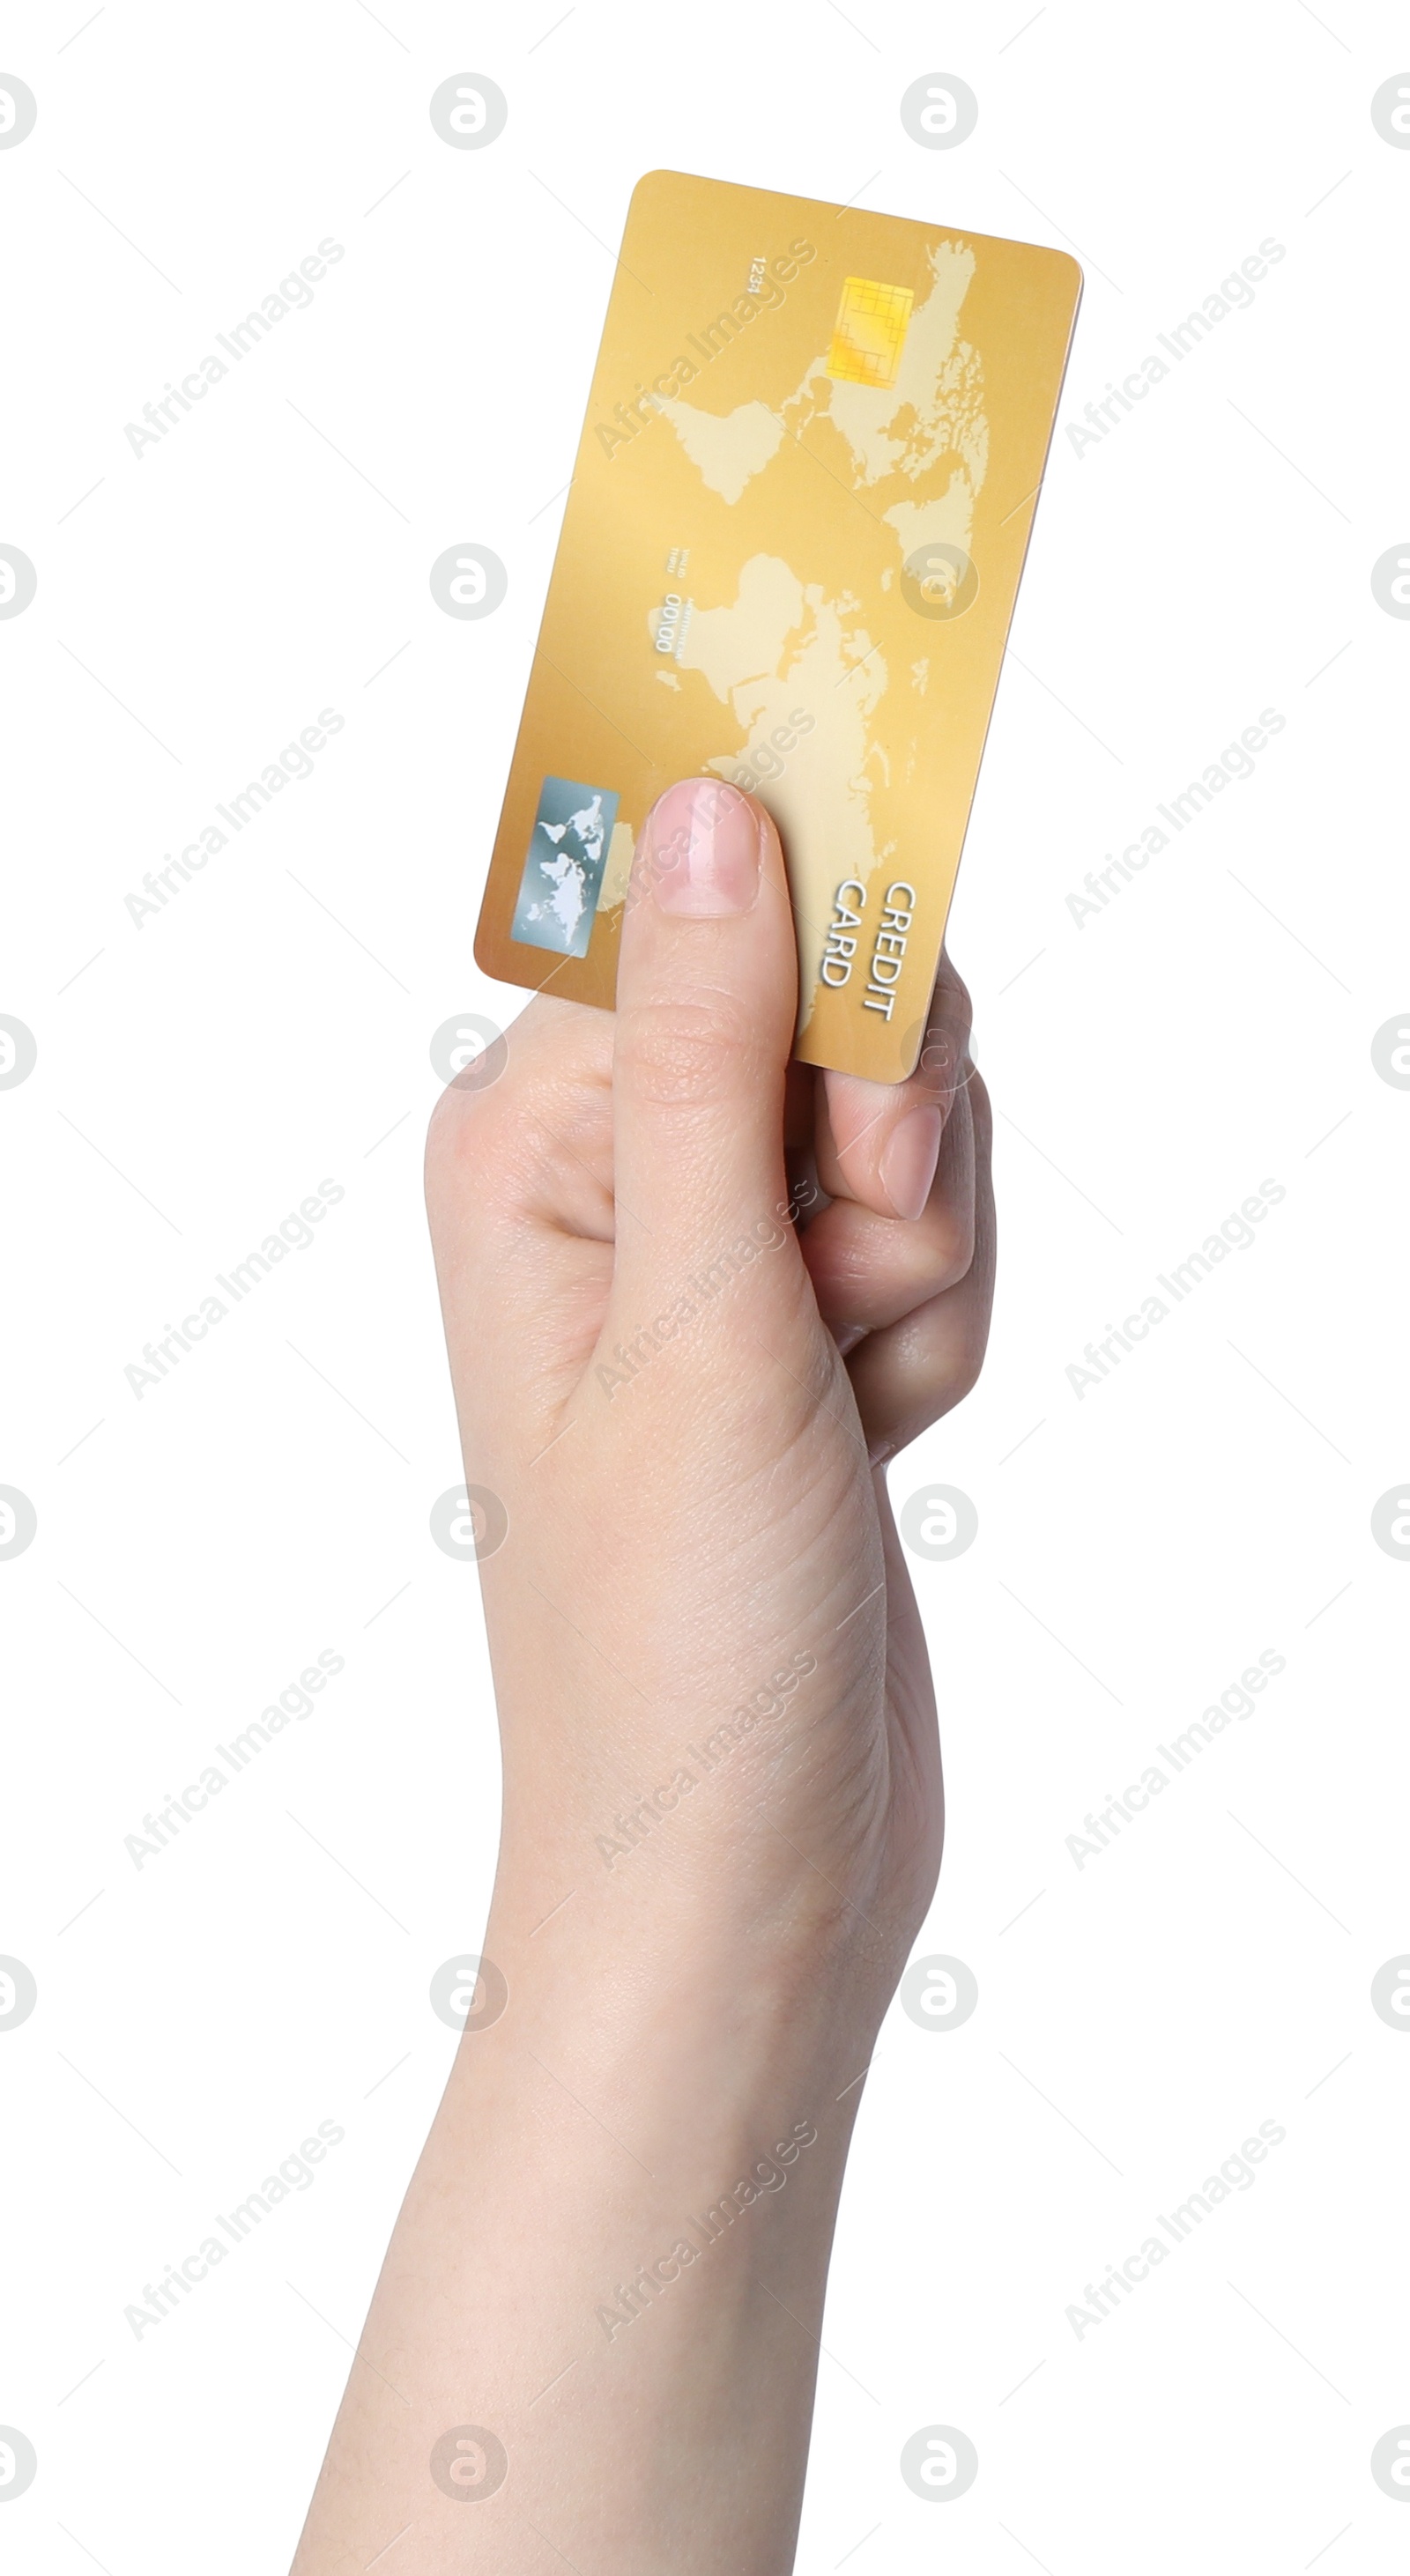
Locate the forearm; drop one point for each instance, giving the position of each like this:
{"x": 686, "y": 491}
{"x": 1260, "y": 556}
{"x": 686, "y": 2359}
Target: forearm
{"x": 612, "y": 2258}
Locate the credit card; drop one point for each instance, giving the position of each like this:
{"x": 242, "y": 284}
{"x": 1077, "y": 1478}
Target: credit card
{"x": 789, "y": 558}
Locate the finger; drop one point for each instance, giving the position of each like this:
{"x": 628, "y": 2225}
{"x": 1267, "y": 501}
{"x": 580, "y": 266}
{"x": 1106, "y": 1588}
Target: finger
{"x": 706, "y": 996}
{"x": 879, "y": 1142}
{"x": 868, "y": 1270}
{"x": 519, "y": 1196}
{"x": 907, "y": 1375}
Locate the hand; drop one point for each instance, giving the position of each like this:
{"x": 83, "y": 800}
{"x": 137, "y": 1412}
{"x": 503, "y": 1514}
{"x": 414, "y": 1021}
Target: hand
{"x": 648, "y": 1355}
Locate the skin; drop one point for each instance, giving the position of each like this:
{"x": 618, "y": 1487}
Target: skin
{"x": 698, "y": 1532}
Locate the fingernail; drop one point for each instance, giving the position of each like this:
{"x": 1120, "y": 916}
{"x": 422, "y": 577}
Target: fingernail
{"x": 909, "y": 1161}
{"x": 701, "y": 849}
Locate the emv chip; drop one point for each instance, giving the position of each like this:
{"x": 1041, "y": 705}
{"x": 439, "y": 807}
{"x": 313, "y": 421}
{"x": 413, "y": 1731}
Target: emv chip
{"x": 870, "y": 332}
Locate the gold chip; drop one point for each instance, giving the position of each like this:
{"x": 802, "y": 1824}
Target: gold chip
{"x": 870, "y": 331}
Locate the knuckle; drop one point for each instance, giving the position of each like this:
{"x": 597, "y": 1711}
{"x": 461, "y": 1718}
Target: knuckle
{"x": 967, "y": 1363}
{"x": 550, "y": 1065}
{"x": 932, "y": 1255}
{"x": 474, "y": 1141}
{"x": 443, "y": 1135}
{"x": 451, "y": 1131}
{"x": 537, "y": 1142}
{"x": 951, "y": 1373}
{"x": 949, "y": 1247}
{"x": 684, "y": 1054}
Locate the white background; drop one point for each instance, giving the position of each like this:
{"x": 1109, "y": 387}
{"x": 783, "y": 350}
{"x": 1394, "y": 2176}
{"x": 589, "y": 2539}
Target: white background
{"x": 1137, "y": 1548}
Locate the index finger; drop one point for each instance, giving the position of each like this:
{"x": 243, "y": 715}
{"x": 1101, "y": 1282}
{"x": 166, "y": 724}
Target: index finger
{"x": 879, "y": 1142}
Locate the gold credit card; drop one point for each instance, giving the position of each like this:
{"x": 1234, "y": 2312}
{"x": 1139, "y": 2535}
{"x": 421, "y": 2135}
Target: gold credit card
{"x": 789, "y": 558}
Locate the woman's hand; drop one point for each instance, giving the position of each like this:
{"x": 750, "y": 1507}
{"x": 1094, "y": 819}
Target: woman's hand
{"x": 694, "y": 1299}
{"x": 679, "y": 1362}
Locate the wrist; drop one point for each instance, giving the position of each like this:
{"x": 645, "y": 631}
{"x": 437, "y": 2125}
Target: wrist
{"x": 695, "y": 2045}
{"x": 709, "y": 1971}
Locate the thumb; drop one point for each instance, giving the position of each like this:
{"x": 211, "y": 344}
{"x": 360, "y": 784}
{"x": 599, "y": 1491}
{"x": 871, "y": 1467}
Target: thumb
{"x": 706, "y": 999}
